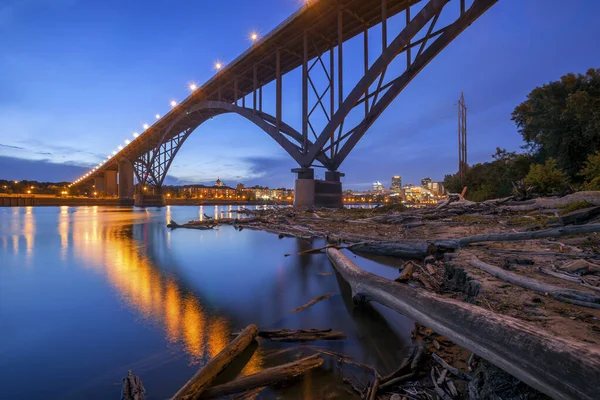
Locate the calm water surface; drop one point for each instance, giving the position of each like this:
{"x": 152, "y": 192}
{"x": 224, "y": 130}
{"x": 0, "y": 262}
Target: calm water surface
{"x": 87, "y": 293}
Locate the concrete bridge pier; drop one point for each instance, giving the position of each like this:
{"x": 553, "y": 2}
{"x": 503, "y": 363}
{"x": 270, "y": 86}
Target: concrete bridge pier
{"x": 99, "y": 184}
{"x": 125, "y": 180}
{"x": 314, "y": 193}
{"x": 110, "y": 183}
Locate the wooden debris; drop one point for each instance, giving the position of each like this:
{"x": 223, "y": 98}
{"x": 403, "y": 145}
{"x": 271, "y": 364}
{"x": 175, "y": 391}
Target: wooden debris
{"x": 524, "y": 350}
{"x": 249, "y": 394}
{"x": 313, "y": 302}
{"x": 581, "y": 267}
{"x": 205, "y": 376}
{"x": 267, "y": 377}
{"x": 431, "y": 269}
{"x": 566, "y": 295}
{"x": 405, "y": 275}
{"x": 346, "y": 360}
{"x": 408, "y": 368}
{"x": 300, "y": 335}
{"x": 373, "y": 391}
{"x": 454, "y": 371}
{"x": 133, "y": 389}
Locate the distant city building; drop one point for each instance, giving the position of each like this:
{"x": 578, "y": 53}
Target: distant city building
{"x": 378, "y": 187}
{"x": 219, "y": 183}
{"x": 437, "y": 188}
{"x": 426, "y": 182}
{"x": 396, "y": 184}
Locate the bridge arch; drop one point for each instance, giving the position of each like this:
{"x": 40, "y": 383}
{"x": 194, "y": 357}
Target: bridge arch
{"x": 151, "y": 168}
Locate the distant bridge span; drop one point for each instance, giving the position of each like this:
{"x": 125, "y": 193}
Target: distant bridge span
{"x": 333, "y": 119}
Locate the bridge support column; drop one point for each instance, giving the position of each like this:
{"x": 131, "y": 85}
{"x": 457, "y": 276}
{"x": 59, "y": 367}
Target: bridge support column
{"x": 309, "y": 192}
{"x": 99, "y": 184}
{"x": 110, "y": 183}
{"x": 125, "y": 180}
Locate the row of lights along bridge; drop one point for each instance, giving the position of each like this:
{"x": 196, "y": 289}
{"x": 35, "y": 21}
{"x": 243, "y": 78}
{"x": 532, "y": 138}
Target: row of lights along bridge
{"x": 193, "y": 86}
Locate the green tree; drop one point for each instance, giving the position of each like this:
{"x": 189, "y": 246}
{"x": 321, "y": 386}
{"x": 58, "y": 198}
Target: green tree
{"x": 547, "y": 178}
{"x": 591, "y": 172}
{"x": 491, "y": 179}
{"x": 561, "y": 120}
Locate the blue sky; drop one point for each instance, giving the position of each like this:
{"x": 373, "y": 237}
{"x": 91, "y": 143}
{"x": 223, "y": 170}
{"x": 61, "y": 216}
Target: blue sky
{"x": 78, "y": 77}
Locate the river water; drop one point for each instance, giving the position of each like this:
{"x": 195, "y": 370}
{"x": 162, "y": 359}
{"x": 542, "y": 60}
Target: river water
{"x": 87, "y": 293}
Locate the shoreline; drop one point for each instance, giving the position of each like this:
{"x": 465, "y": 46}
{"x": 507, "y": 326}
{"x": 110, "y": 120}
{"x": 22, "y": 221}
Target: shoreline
{"x": 51, "y": 201}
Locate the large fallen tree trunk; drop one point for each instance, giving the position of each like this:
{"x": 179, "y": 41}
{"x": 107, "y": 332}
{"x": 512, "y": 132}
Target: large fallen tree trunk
{"x": 558, "y": 367}
{"x": 415, "y": 249}
{"x": 269, "y": 376}
{"x": 419, "y": 249}
{"x": 578, "y": 297}
{"x": 205, "y": 377}
{"x": 506, "y": 237}
{"x": 592, "y": 197}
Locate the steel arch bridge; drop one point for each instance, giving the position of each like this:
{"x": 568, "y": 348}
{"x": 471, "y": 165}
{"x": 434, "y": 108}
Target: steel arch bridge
{"x": 334, "y": 118}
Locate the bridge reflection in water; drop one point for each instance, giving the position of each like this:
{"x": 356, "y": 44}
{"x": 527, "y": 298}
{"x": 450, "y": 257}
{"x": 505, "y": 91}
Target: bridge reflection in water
{"x": 158, "y": 297}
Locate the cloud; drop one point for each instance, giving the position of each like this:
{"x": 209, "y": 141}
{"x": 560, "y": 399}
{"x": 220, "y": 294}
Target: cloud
{"x": 39, "y": 170}
{"x": 11, "y": 147}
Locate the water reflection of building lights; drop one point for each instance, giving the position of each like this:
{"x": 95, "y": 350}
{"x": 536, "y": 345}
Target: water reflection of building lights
{"x": 29, "y": 230}
{"x": 63, "y": 230}
{"x": 157, "y": 297}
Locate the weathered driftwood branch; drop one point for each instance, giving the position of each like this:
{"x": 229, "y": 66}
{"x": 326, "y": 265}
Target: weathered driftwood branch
{"x": 407, "y": 370}
{"x": 267, "y": 377}
{"x": 505, "y": 237}
{"x": 559, "y": 293}
{"x": 300, "y": 335}
{"x": 205, "y": 376}
{"x": 454, "y": 371}
{"x": 559, "y": 367}
{"x": 346, "y": 360}
{"x": 419, "y": 249}
{"x": 592, "y": 197}
{"x": 313, "y": 302}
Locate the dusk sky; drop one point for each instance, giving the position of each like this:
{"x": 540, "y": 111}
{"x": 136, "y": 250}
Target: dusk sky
{"x": 78, "y": 77}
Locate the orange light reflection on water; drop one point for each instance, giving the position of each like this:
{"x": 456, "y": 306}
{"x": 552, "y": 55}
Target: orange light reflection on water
{"x": 157, "y": 297}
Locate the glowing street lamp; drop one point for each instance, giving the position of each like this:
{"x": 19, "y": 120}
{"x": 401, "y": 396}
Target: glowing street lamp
{"x": 146, "y": 126}
{"x": 218, "y": 65}
{"x": 120, "y": 147}
{"x": 173, "y": 103}
{"x": 157, "y": 116}
{"x": 127, "y": 141}
{"x": 254, "y": 37}
{"x": 135, "y": 134}
{"x": 114, "y": 153}
{"x": 193, "y": 87}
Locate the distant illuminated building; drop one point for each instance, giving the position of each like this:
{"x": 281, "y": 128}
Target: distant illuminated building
{"x": 219, "y": 183}
{"x": 378, "y": 187}
{"x": 426, "y": 183}
{"x": 396, "y": 184}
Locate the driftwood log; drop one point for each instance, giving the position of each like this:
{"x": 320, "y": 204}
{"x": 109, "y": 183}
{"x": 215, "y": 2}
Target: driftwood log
{"x": 313, "y": 302}
{"x": 267, "y": 377}
{"x": 558, "y": 367}
{"x": 572, "y": 296}
{"x": 592, "y": 197}
{"x": 419, "y": 249}
{"x": 300, "y": 335}
{"x": 205, "y": 376}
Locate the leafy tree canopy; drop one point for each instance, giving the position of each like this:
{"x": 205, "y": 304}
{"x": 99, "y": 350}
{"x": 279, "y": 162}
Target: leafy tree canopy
{"x": 561, "y": 120}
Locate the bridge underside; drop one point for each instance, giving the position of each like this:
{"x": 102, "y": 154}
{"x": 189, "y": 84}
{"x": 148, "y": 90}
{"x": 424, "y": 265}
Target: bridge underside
{"x": 334, "y": 118}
